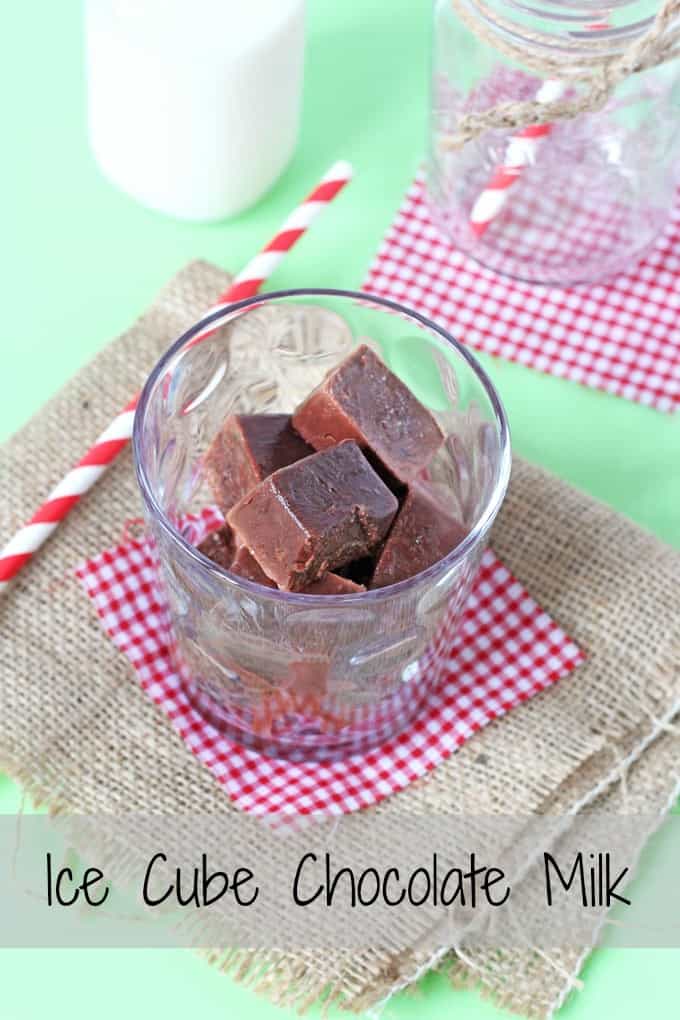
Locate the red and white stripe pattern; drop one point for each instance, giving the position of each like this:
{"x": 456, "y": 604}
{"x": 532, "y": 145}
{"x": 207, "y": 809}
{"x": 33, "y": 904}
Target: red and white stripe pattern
{"x": 248, "y": 283}
{"x": 114, "y": 439}
{"x": 65, "y": 495}
{"x": 520, "y": 153}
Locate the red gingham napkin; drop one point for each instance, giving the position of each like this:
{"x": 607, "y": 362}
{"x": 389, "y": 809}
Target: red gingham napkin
{"x": 622, "y": 336}
{"x": 506, "y": 650}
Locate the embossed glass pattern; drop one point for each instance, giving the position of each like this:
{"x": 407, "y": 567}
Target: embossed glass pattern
{"x": 296, "y": 675}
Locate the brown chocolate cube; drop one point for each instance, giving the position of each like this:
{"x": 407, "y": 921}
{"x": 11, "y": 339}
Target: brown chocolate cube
{"x": 360, "y": 571}
{"x": 222, "y": 548}
{"x": 219, "y": 546}
{"x": 247, "y": 449}
{"x": 314, "y": 515}
{"x": 424, "y": 532}
{"x": 363, "y": 400}
{"x": 245, "y": 565}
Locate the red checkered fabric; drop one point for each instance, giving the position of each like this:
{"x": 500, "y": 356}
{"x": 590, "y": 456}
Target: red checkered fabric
{"x": 622, "y": 336}
{"x": 505, "y": 650}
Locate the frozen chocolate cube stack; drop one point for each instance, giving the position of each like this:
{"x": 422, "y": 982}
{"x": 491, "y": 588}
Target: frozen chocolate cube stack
{"x": 248, "y": 448}
{"x": 331, "y": 500}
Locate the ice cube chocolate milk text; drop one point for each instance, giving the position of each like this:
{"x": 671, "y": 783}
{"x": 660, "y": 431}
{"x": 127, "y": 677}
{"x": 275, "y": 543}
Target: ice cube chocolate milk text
{"x": 316, "y": 619}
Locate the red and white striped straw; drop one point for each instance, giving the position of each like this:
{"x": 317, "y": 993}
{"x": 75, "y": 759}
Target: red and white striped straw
{"x": 25, "y": 544}
{"x": 520, "y": 153}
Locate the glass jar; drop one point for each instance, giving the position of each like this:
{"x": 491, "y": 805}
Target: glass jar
{"x": 296, "y": 675}
{"x": 562, "y": 203}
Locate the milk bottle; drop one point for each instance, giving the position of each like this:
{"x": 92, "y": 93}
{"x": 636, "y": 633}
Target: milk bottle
{"x": 193, "y": 105}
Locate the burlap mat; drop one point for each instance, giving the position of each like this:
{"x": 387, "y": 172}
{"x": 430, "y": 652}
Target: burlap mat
{"x": 79, "y": 734}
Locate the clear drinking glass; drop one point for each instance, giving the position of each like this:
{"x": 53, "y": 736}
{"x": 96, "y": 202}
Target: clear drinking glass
{"x": 303, "y": 676}
{"x": 564, "y": 203}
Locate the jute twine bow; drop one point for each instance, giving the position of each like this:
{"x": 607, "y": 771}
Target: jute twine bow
{"x": 584, "y": 61}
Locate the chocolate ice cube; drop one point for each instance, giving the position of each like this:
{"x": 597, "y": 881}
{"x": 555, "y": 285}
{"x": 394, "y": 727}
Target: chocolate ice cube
{"x": 314, "y": 515}
{"x": 219, "y": 546}
{"x": 359, "y": 572}
{"x": 245, "y": 565}
{"x": 247, "y": 449}
{"x": 363, "y": 400}
{"x": 424, "y": 532}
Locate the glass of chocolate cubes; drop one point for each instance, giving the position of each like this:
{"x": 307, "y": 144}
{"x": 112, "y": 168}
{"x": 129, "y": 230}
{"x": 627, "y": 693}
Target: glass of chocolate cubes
{"x": 320, "y": 470}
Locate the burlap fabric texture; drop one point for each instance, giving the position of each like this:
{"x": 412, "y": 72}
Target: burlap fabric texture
{"x": 79, "y": 734}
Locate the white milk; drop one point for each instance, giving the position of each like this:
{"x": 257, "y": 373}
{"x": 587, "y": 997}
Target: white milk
{"x": 193, "y": 105}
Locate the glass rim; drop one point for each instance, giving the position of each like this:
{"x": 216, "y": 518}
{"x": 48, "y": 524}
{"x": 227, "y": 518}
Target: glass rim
{"x": 484, "y": 519}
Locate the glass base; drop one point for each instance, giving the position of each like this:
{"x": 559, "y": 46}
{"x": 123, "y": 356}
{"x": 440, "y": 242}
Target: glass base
{"x": 287, "y": 725}
{"x": 571, "y": 254}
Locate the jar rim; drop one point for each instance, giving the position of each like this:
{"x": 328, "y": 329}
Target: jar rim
{"x": 214, "y": 319}
{"x": 575, "y": 27}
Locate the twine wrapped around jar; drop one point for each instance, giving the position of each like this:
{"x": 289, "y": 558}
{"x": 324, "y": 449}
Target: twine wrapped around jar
{"x": 585, "y": 62}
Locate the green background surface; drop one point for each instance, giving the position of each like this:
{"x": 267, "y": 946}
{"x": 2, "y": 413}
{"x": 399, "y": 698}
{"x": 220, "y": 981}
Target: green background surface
{"x": 80, "y": 261}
